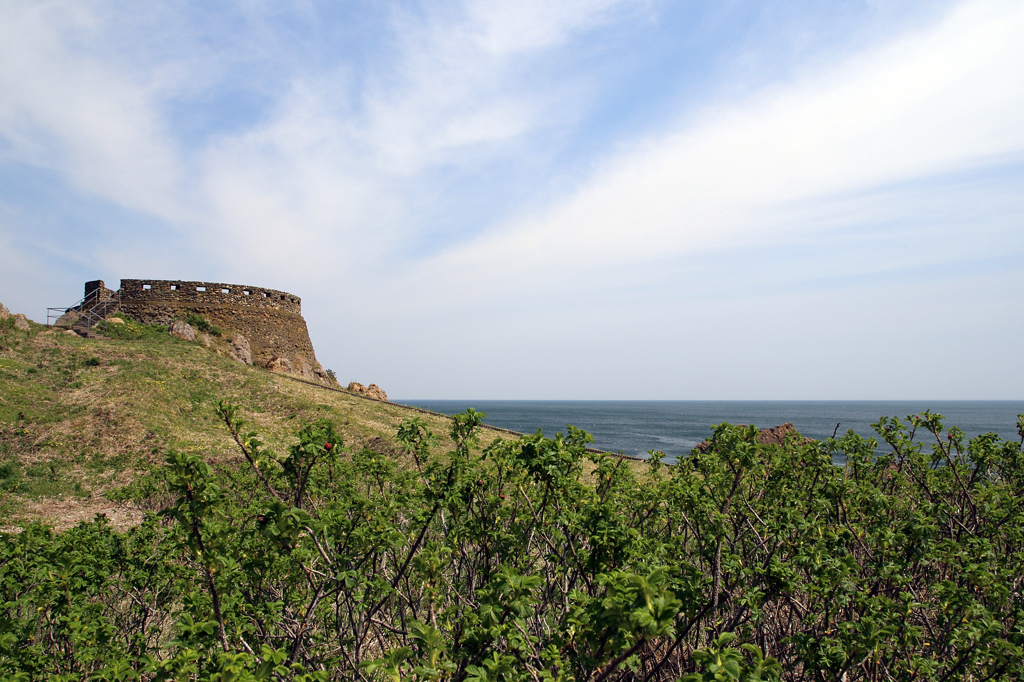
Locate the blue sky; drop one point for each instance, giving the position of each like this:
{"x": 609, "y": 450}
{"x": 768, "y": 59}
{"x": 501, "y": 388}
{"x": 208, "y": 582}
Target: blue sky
{"x": 588, "y": 199}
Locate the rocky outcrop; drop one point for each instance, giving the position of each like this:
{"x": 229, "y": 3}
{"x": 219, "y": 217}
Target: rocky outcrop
{"x": 324, "y": 378}
{"x": 282, "y": 365}
{"x": 372, "y": 391}
{"x": 114, "y": 320}
{"x": 183, "y": 330}
{"x": 67, "y": 319}
{"x": 238, "y": 349}
{"x": 21, "y": 322}
{"x": 4, "y": 312}
{"x": 302, "y": 368}
{"x": 775, "y": 435}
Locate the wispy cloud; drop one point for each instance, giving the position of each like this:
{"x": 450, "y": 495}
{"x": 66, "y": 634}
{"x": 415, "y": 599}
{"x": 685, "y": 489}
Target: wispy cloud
{"x": 67, "y": 112}
{"x": 944, "y": 99}
{"x": 350, "y": 162}
{"x": 525, "y": 163}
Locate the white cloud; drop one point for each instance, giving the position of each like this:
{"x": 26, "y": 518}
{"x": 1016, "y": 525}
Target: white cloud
{"x": 330, "y": 165}
{"x": 945, "y": 98}
{"x": 509, "y": 27}
{"x": 343, "y": 163}
{"x": 473, "y": 74}
{"x": 62, "y": 109}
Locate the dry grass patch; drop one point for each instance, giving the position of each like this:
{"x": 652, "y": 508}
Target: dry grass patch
{"x": 80, "y": 418}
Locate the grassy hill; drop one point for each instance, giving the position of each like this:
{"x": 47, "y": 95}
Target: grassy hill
{"x": 79, "y": 418}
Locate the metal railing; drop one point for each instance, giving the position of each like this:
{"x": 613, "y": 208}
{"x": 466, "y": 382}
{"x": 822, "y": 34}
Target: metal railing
{"x": 90, "y": 311}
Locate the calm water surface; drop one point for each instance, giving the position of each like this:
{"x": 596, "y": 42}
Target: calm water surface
{"x": 675, "y": 427}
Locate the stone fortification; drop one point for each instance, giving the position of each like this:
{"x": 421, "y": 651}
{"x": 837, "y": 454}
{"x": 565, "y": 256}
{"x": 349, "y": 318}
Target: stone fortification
{"x": 96, "y": 291}
{"x": 275, "y": 334}
{"x": 146, "y": 292}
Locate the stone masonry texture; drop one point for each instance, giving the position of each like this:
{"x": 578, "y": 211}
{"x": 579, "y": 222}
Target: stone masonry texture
{"x": 270, "y": 320}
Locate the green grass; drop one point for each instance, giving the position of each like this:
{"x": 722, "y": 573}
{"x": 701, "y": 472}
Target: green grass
{"x": 10, "y": 475}
{"x": 80, "y": 418}
{"x": 131, "y": 330}
{"x": 202, "y": 325}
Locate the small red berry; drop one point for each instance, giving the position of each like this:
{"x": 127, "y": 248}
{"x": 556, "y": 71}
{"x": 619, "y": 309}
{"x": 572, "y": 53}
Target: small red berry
{"x": 501, "y": 496}
{"x": 328, "y": 446}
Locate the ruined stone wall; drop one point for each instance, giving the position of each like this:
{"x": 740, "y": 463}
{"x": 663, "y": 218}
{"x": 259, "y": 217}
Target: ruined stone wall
{"x": 216, "y": 293}
{"x": 96, "y": 291}
{"x": 269, "y": 319}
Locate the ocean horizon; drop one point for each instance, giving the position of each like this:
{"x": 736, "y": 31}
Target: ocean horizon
{"x": 634, "y": 427}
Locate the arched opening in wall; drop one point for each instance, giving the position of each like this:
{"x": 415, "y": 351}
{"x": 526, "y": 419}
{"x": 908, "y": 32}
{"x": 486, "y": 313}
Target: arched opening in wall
{"x": 200, "y": 288}
{"x": 174, "y": 287}
{"x": 225, "y": 291}
{"x": 147, "y": 287}
{"x": 245, "y": 292}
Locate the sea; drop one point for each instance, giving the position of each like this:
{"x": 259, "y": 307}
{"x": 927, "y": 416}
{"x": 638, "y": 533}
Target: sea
{"x": 635, "y": 427}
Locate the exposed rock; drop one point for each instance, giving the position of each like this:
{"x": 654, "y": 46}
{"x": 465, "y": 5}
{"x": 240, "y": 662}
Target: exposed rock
{"x": 183, "y": 330}
{"x": 71, "y": 332}
{"x": 116, "y": 320}
{"x": 372, "y": 391}
{"x": 67, "y": 319}
{"x": 4, "y": 312}
{"x": 775, "y": 435}
{"x": 21, "y": 322}
{"x": 238, "y": 349}
{"x": 324, "y": 378}
{"x": 302, "y": 368}
{"x": 283, "y": 365}
{"x": 207, "y": 341}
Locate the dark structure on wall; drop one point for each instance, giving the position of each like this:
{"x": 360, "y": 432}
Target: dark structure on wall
{"x": 269, "y": 320}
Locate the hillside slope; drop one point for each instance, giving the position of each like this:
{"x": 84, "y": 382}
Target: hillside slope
{"x": 81, "y": 417}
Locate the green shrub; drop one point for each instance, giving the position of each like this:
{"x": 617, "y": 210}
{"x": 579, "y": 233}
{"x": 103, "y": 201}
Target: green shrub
{"x": 201, "y": 324}
{"x": 742, "y": 562}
